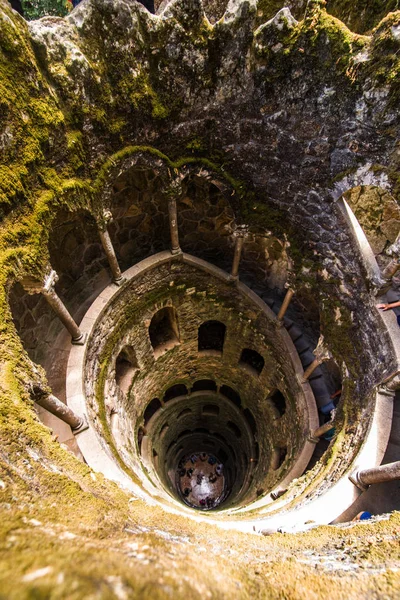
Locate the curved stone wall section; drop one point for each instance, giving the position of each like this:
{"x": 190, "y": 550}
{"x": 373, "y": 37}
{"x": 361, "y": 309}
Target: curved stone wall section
{"x": 198, "y": 293}
{"x": 208, "y": 421}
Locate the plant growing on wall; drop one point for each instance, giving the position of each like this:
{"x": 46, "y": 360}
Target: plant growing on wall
{"x": 35, "y": 9}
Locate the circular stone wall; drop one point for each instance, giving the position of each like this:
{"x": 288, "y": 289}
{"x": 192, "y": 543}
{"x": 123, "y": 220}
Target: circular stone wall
{"x": 181, "y": 361}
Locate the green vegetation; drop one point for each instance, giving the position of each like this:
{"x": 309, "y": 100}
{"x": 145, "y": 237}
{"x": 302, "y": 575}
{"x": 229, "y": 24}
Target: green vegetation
{"x": 35, "y": 9}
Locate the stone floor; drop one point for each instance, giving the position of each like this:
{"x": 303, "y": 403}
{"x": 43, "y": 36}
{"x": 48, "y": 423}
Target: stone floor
{"x": 206, "y": 486}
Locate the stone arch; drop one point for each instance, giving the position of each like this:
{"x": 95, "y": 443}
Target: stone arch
{"x": 252, "y": 361}
{"x": 211, "y": 336}
{"x": 125, "y": 368}
{"x": 164, "y": 330}
{"x": 151, "y": 410}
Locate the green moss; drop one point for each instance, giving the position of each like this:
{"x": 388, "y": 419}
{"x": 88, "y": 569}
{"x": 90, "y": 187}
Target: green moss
{"x": 384, "y": 64}
{"x": 363, "y": 15}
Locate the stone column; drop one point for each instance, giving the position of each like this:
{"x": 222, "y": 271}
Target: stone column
{"x": 236, "y": 255}
{"x": 62, "y": 411}
{"x": 317, "y": 433}
{"x": 322, "y": 354}
{"x": 311, "y": 368}
{"x": 391, "y": 269}
{"x": 285, "y": 305}
{"x": 389, "y": 472}
{"x": 173, "y": 226}
{"x": 46, "y": 288}
{"x": 390, "y": 384}
{"x": 102, "y": 225}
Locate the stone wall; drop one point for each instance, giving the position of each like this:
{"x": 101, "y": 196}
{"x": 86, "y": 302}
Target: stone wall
{"x": 197, "y": 298}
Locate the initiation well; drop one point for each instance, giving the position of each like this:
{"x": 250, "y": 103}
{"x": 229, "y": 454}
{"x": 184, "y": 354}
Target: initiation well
{"x": 190, "y": 385}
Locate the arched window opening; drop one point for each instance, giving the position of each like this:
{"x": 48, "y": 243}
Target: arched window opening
{"x": 234, "y": 428}
{"x": 140, "y": 436}
{"x": 251, "y": 420}
{"x": 204, "y": 385}
{"x": 184, "y": 412}
{"x": 201, "y": 430}
{"x": 219, "y": 437}
{"x": 172, "y": 444}
{"x": 256, "y": 451}
{"x": 125, "y": 368}
{"x": 163, "y": 430}
{"x": 278, "y": 457}
{"x": 211, "y": 336}
{"x": 222, "y": 455}
{"x": 229, "y": 393}
{"x": 151, "y": 410}
{"x": 184, "y": 433}
{"x": 211, "y": 409}
{"x": 279, "y": 402}
{"x": 208, "y": 442}
{"x": 163, "y": 330}
{"x": 245, "y": 460}
{"x": 252, "y": 361}
{"x": 174, "y": 391}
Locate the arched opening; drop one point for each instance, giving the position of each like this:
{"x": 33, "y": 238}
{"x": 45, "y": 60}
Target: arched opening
{"x": 163, "y": 431}
{"x": 210, "y": 409}
{"x": 279, "y": 402}
{"x": 256, "y": 451}
{"x": 140, "y": 436}
{"x": 252, "y": 361}
{"x": 163, "y": 330}
{"x": 184, "y": 412}
{"x": 211, "y": 337}
{"x": 234, "y": 428}
{"x": 179, "y": 389}
{"x": 251, "y": 420}
{"x": 151, "y": 410}
{"x": 278, "y": 457}
{"x": 125, "y": 368}
{"x": 203, "y": 385}
{"x": 229, "y": 393}
{"x": 222, "y": 455}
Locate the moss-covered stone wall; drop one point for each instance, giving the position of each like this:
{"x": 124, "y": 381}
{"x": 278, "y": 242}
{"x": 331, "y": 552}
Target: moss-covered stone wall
{"x": 285, "y": 113}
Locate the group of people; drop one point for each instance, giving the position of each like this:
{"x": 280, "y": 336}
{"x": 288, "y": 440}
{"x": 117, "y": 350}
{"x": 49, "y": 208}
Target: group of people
{"x": 196, "y": 469}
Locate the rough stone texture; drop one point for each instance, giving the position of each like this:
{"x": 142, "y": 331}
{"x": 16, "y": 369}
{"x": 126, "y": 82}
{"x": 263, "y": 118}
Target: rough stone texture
{"x": 291, "y": 115}
{"x": 197, "y": 298}
{"x": 378, "y": 214}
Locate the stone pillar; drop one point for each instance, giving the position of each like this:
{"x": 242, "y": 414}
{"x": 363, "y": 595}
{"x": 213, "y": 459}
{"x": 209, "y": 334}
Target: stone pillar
{"x": 391, "y": 269}
{"x": 173, "y": 226}
{"x": 236, "y": 255}
{"x": 321, "y": 355}
{"x": 46, "y": 288}
{"x": 317, "y": 433}
{"x": 102, "y": 224}
{"x": 285, "y": 305}
{"x": 311, "y": 368}
{"x": 278, "y": 493}
{"x": 390, "y": 384}
{"x": 389, "y": 472}
{"x": 62, "y": 411}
